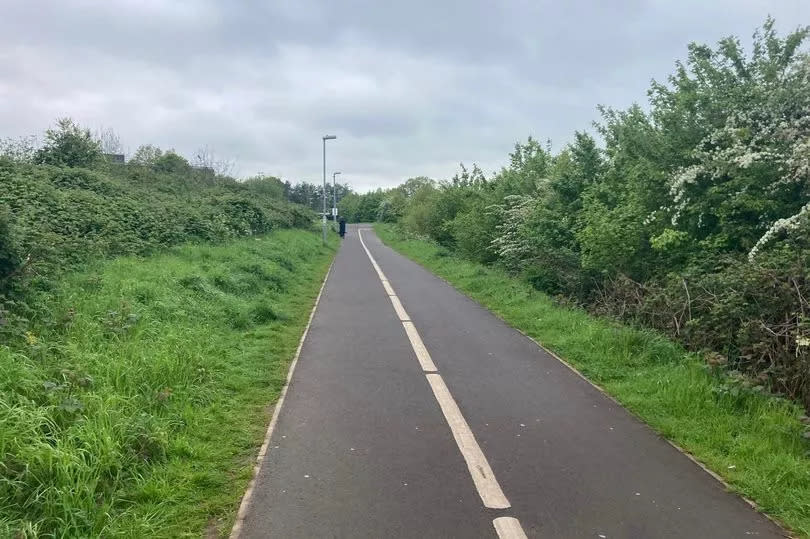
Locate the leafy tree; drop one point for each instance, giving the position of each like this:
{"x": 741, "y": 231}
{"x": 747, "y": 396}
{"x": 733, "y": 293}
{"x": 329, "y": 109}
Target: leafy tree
{"x": 412, "y": 185}
{"x": 304, "y": 193}
{"x": 369, "y": 206}
{"x": 266, "y": 185}
{"x": 746, "y": 168}
{"x": 171, "y": 163}
{"x": 146, "y": 155}
{"x": 348, "y": 207}
{"x": 68, "y": 145}
{"x": 311, "y": 194}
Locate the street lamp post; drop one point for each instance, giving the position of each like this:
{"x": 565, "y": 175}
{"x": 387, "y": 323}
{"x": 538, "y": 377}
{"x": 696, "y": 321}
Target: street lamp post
{"x": 323, "y": 222}
{"x": 334, "y": 200}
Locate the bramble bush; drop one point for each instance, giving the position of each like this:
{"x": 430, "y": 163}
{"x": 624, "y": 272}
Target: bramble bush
{"x": 63, "y": 204}
{"x": 62, "y": 215}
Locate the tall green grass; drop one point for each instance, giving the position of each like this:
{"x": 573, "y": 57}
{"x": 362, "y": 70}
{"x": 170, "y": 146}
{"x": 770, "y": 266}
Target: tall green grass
{"x": 752, "y": 440}
{"x": 135, "y": 405}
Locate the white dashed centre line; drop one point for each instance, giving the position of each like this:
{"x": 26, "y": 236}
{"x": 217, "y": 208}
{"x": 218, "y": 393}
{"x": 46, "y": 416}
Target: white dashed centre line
{"x": 400, "y": 310}
{"x": 388, "y": 289}
{"x": 508, "y": 528}
{"x": 482, "y": 475}
{"x": 419, "y": 347}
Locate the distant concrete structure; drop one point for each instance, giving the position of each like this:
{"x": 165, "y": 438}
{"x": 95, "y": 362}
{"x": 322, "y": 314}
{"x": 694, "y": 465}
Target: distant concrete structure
{"x": 206, "y": 170}
{"x": 115, "y": 157}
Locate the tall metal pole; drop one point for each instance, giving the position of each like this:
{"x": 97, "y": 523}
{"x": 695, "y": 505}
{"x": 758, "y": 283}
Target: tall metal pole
{"x": 334, "y": 200}
{"x": 323, "y": 222}
{"x": 323, "y": 217}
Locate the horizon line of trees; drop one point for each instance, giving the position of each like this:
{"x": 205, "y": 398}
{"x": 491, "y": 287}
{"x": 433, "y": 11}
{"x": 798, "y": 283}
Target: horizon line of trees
{"x": 70, "y": 145}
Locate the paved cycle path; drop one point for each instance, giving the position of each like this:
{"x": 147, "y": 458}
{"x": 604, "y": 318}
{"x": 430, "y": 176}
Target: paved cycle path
{"x": 415, "y": 412}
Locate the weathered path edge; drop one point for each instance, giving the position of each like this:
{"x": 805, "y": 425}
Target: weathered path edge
{"x": 245, "y": 503}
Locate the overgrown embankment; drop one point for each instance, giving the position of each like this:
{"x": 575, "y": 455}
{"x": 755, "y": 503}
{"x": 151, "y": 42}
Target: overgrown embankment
{"x": 752, "y": 440}
{"x": 148, "y": 312}
{"x": 131, "y": 407}
{"x": 55, "y": 216}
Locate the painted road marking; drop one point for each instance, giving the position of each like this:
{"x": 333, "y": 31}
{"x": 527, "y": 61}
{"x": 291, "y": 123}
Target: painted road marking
{"x": 509, "y": 528}
{"x": 388, "y": 289}
{"x": 379, "y": 271}
{"x": 482, "y": 475}
{"x": 419, "y": 347}
{"x": 403, "y": 316}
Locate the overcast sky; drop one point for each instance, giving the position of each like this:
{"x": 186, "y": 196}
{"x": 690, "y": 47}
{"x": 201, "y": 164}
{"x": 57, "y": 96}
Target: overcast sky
{"x": 410, "y": 88}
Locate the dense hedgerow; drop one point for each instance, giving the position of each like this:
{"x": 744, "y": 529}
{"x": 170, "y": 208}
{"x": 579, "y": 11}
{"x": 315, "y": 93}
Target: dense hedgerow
{"x": 690, "y": 217}
{"x": 52, "y": 217}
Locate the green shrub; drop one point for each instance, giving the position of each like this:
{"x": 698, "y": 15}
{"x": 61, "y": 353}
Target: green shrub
{"x": 691, "y": 217}
{"x": 9, "y": 257}
{"x": 171, "y": 163}
{"x": 68, "y": 145}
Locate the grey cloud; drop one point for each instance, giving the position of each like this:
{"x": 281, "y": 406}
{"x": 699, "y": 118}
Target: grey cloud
{"x": 409, "y": 87}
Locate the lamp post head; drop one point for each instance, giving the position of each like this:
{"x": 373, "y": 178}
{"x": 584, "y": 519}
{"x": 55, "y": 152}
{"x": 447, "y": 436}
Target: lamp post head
{"x": 335, "y": 174}
{"x": 329, "y": 137}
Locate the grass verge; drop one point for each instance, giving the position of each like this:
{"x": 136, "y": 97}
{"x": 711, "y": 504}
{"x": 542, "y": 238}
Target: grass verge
{"x": 752, "y": 440}
{"x": 136, "y": 407}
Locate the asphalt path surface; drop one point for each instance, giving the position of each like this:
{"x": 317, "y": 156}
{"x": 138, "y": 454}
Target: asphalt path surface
{"x": 414, "y": 412}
